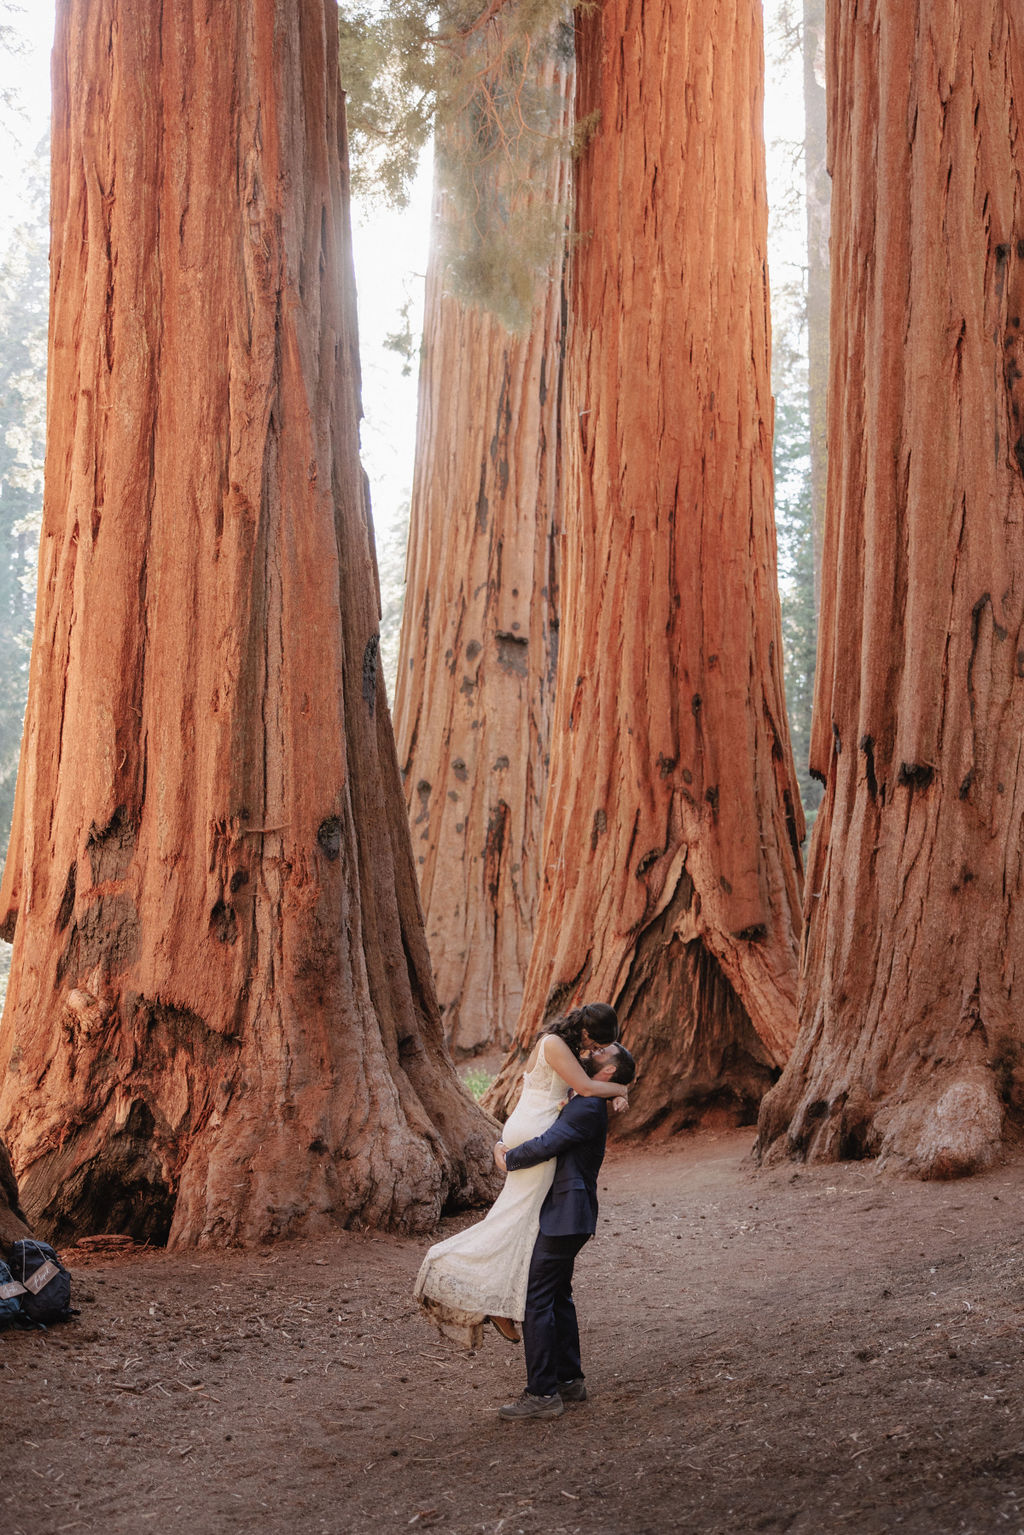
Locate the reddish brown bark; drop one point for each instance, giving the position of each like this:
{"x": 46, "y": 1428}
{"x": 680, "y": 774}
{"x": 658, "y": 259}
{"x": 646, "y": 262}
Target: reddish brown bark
{"x": 476, "y": 663}
{"x": 220, "y": 1024}
{"x": 13, "y": 1226}
{"x": 817, "y": 192}
{"x": 910, "y": 1042}
{"x": 671, "y": 862}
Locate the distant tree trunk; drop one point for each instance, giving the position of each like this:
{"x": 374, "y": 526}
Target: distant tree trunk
{"x": 671, "y": 845}
{"x": 910, "y": 1032}
{"x": 24, "y": 286}
{"x": 220, "y": 1024}
{"x": 13, "y": 1226}
{"x": 818, "y": 194}
{"x": 479, "y": 630}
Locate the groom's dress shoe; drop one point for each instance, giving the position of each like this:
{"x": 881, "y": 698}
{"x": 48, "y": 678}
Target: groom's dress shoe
{"x": 572, "y": 1390}
{"x": 532, "y": 1407}
{"x": 508, "y": 1329}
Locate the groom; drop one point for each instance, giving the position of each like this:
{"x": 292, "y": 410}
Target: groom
{"x": 568, "y": 1219}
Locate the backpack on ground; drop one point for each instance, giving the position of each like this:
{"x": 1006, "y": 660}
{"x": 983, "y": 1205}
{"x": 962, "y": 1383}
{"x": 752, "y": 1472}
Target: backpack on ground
{"x": 46, "y": 1282}
{"x": 10, "y": 1297}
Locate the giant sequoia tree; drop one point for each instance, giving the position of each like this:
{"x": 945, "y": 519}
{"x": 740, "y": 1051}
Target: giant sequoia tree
{"x": 220, "y": 1022}
{"x": 23, "y": 316}
{"x": 12, "y": 1217}
{"x": 671, "y": 849}
{"x": 816, "y": 191}
{"x": 911, "y": 1040}
{"x": 476, "y": 663}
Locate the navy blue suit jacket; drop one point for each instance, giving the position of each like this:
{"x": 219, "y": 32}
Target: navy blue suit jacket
{"x": 577, "y": 1138}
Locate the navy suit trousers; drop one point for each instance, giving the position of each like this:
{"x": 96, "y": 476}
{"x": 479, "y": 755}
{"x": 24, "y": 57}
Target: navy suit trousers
{"x": 551, "y": 1336}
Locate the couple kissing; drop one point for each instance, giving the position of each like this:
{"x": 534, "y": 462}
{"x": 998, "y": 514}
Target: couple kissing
{"x": 516, "y": 1265}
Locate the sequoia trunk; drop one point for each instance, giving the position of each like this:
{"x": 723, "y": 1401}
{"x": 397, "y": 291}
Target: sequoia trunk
{"x": 12, "y": 1217}
{"x": 476, "y": 663}
{"x": 817, "y": 192}
{"x": 220, "y": 1024}
{"x": 671, "y": 847}
{"x": 911, "y": 1042}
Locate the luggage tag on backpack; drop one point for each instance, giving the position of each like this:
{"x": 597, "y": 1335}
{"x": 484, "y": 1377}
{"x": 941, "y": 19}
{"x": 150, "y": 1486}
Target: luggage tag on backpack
{"x": 11, "y": 1289}
{"x": 41, "y": 1278}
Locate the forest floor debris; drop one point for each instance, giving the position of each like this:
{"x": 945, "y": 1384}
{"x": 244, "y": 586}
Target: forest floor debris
{"x": 801, "y": 1350}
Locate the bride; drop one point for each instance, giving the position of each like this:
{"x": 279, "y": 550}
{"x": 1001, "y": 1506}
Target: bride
{"x": 480, "y": 1274}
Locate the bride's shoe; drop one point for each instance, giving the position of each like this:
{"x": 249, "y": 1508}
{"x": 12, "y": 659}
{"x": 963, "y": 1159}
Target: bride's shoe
{"x": 507, "y": 1328}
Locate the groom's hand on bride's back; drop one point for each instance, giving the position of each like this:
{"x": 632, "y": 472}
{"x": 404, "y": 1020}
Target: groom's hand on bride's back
{"x": 499, "y": 1156}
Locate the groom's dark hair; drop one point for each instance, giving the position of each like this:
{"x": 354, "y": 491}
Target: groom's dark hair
{"x": 625, "y": 1066}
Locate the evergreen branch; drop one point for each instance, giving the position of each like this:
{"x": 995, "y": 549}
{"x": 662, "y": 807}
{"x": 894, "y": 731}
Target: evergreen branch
{"x": 460, "y": 36}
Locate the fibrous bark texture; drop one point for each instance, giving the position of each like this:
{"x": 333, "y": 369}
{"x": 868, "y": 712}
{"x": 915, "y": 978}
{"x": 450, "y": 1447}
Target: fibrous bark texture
{"x": 220, "y": 1024}
{"x": 479, "y": 629}
{"x": 671, "y": 847}
{"x": 910, "y": 1042}
{"x": 817, "y": 191}
{"x": 13, "y": 1226}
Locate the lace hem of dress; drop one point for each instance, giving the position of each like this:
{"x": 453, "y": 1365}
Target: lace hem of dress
{"x": 465, "y": 1327}
{"x": 460, "y": 1294}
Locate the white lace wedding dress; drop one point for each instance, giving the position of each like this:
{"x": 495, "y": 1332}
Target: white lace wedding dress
{"x": 482, "y": 1271}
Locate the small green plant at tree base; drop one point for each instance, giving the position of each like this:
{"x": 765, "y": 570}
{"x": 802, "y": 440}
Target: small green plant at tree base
{"x": 476, "y": 1080}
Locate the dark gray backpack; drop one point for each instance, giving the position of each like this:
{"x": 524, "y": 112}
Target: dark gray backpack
{"x": 45, "y": 1282}
{"x": 10, "y": 1297}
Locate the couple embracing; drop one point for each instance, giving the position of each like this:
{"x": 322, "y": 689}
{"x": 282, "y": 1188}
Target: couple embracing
{"x": 516, "y": 1265}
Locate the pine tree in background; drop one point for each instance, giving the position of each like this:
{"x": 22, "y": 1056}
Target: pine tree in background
{"x": 391, "y": 550}
{"x": 799, "y": 199}
{"x": 12, "y": 43}
{"x": 795, "y": 530}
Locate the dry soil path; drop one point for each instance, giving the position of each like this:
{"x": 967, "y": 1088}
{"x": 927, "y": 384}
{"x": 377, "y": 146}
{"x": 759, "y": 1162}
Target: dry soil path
{"x": 799, "y": 1350}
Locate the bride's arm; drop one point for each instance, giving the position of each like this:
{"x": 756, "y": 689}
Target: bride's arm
{"x": 562, "y": 1061}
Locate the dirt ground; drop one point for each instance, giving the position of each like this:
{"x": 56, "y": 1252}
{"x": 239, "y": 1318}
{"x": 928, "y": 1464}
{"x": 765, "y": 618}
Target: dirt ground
{"x": 804, "y": 1350}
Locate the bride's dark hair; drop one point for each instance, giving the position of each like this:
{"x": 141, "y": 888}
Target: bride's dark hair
{"x": 598, "y": 1019}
